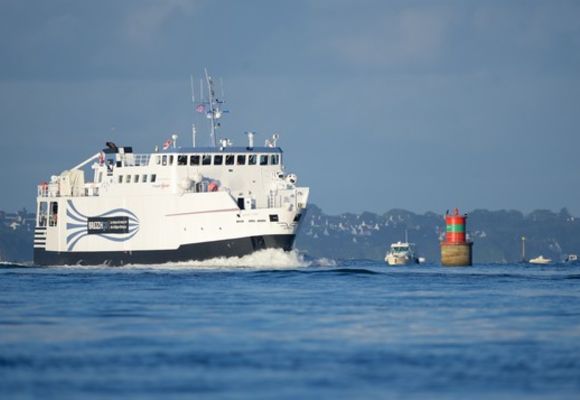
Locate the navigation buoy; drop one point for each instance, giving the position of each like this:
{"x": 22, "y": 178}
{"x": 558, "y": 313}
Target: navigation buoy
{"x": 455, "y": 248}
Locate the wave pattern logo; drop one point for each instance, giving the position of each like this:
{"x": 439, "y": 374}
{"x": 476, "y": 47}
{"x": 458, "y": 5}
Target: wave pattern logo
{"x": 118, "y": 225}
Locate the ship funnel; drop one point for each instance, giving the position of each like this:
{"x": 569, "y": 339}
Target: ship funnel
{"x": 250, "y": 139}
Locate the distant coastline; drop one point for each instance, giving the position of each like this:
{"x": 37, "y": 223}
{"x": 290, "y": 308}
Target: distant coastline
{"x": 497, "y": 234}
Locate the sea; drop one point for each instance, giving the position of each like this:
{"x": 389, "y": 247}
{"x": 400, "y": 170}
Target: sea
{"x": 277, "y": 325}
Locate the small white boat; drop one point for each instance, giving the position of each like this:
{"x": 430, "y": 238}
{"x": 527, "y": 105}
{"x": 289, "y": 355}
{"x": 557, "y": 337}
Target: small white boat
{"x": 571, "y": 258}
{"x": 401, "y": 253}
{"x": 541, "y": 260}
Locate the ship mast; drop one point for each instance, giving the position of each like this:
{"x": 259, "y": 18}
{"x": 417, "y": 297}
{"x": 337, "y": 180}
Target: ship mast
{"x": 210, "y": 107}
{"x": 193, "y": 131}
{"x": 214, "y": 113}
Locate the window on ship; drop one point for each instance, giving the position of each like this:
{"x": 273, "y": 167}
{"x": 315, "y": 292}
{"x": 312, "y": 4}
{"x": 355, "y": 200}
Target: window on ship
{"x": 206, "y": 160}
{"x": 128, "y": 179}
{"x": 42, "y": 213}
{"x": 264, "y": 159}
{"x": 218, "y": 159}
{"x": 53, "y": 217}
{"x": 274, "y": 159}
{"x": 181, "y": 159}
{"x": 136, "y": 179}
{"x": 144, "y": 178}
{"x": 193, "y": 160}
{"x": 230, "y": 159}
{"x": 153, "y": 178}
{"x": 120, "y": 178}
{"x": 241, "y": 159}
{"x": 252, "y": 159}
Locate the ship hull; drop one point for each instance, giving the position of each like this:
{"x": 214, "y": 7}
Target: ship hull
{"x": 400, "y": 260}
{"x": 188, "y": 252}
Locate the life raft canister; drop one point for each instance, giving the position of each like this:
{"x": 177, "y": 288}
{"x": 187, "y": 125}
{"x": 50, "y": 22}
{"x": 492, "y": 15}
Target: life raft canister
{"x": 212, "y": 187}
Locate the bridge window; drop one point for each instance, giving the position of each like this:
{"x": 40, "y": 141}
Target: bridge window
{"x": 144, "y": 178}
{"x": 136, "y": 179}
{"x": 128, "y": 179}
{"x": 170, "y": 160}
{"x": 153, "y": 178}
{"x": 206, "y": 160}
{"x": 241, "y": 159}
{"x": 252, "y": 159}
{"x": 264, "y": 159}
{"x": 193, "y": 160}
{"x": 120, "y": 178}
{"x": 230, "y": 159}
{"x": 274, "y": 159}
{"x": 218, "y": 159}
{"x": 163, "y": 160}
{"x": 181, "y": 159}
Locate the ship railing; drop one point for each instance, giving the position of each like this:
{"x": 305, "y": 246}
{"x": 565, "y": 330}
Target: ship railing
{"x": 48, "y": 190}
{"x": 42, "y": 190}
{"x": 53, "y": 190}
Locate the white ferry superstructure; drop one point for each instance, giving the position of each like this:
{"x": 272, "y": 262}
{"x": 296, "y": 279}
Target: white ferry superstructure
{"x": 173, "y": 205}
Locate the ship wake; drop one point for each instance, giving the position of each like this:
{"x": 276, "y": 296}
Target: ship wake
{"x": 263, "y": 259}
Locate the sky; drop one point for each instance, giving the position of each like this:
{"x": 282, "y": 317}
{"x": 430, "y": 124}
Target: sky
{"x": 421, "y": 105}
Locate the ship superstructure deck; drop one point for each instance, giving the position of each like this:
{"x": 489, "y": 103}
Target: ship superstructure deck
{"x": 175, "y": 205}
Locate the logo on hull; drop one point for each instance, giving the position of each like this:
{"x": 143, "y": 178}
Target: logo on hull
{"x": 118, "y": 225}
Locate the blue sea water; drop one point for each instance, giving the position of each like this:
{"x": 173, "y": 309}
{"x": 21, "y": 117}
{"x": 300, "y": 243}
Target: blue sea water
{"x": 290, "y": 329}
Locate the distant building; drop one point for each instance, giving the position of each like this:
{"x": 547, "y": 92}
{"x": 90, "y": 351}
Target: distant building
{"x": 19, "y": 220}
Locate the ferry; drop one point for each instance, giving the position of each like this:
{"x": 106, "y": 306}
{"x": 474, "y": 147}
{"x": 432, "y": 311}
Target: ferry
{"x": 172, "y": 205}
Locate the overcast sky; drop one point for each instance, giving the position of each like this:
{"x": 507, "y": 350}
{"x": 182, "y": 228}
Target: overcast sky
{"x": 423, "y": 105}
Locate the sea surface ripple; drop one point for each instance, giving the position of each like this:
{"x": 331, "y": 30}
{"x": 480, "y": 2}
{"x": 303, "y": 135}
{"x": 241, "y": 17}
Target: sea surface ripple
{"x": 290, "y": 328}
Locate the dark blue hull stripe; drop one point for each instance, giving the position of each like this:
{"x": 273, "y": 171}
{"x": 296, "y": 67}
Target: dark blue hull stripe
{"x": 197, "y": 252}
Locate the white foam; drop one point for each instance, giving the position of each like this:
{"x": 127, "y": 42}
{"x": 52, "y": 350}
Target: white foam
{"x": 15, "y": 264}
{"x": 263, "y": 259}
{"x": 325, "y": 262}
{"x": 269, "y": 258}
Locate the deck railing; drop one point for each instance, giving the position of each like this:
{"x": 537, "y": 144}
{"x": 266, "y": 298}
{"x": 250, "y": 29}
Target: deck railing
{"x": 53, "y": 190}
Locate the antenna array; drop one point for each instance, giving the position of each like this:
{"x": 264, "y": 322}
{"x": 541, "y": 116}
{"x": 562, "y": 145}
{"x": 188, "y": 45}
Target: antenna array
{"x": 211, "y": 107}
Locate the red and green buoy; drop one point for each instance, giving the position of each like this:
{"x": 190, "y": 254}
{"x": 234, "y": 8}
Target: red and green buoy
{"x": 455, "y": 248}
